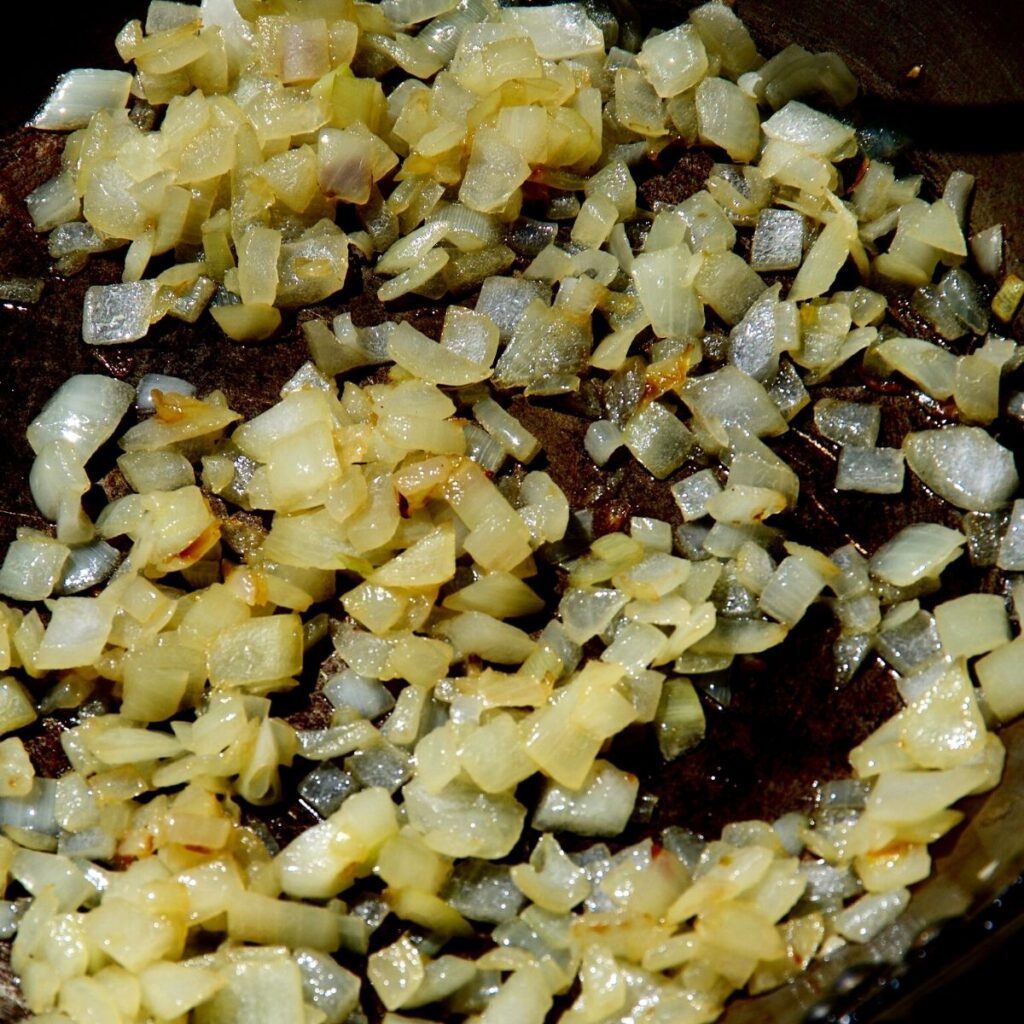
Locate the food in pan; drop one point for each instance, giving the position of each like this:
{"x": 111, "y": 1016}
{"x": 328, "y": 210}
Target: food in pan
{"x": 499, "y": 636}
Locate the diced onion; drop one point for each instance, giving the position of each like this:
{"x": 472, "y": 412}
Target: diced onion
{"x": 454, "y": 690}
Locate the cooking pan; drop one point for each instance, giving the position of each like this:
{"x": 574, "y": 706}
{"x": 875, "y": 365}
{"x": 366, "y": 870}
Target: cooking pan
{"x": 947, "y": 75}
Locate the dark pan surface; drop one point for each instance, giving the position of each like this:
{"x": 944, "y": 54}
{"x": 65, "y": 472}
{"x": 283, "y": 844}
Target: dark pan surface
{"x": 963, "y": 109}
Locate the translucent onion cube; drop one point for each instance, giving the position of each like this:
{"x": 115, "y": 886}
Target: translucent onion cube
{"x": 1002, "y": 681}
{"x": 305, "y": 53}
{"x": 753, "y": 342}
{"x": 254, "y": 917}
{"x": 787, "y": 391}
{"x": 81, "y": 93}
{"x": 726, "y": 37}
{"x": 847, "y": 423}
{"x": 940, "y": 228}
{"x": 710, "y": 230}
{"x": 1007, "y": 300}
{"x": 411, "y": 280}
{"x": 615, "y": 181}
{"x": 779, "y": 240}
{"x": 470, "y": 334}
{"x": 130, "y": 935}
{"x": 932, "y": 368}
{"x": 559, "y": 31}
{"x": 602, "y": 440}
{"x": 551, "y": 879}
{"x": 792, "y": 588}
{"x": 658, "y": 439}
{"x": 211, "y": 154}
{"x": 736, "y": 870}
{"x": 462, "y": 821}
{"x": 327, "y": 985}
{"x": 976, "y": 387}
{"x": 964, "y": 298}
{"x": 260, "y": 650}
{"x": 870, "y": 470}
{"x": 826, "y": 257}
{"x": 595, "y": 221}
{"x": 741, "y": 636}
{"x": 601, "y": 806}
{"x": 859, "y": 615}
{"x": 474, "y": 632}
{"x": 83, "y": 412}
{"x": 664, "y": 282}
{"x": 504, "y": 300}
{"x": 493, "y": 755}
{"x": 545, "y": 344}
{"x": 673, "y": 61}
{"x": 729, "y": 398}
{"x": 867, "y": 916}
{"x": 740, "y": 503}
{"x": 326, "y": 788}
{"x": 367, "y": 696}
{"x": 76, "y": 634}
{"x": 985, "y": 532}
{"x": 484, "y": 449}
{"x": 524, "y": 997}
{"x": 917, "y": 551}
{"x": 52, "y": 205}
{"x": 972, "y": 624}
{"x": 964, "y": 465}
{"x": 655, "y": 534}
{"x": 428, "y": 562}
{"x": 728, "y": 118}
{"x": 505, "y": 428}
{"x": 313, "y": 266}
{"x": 16, "y": 706}
{"x": 909, "y": 796}
{"x": 910, "y": 644}
{"x": 987, "y": 249}
{"x": 680, "y": 718}
{"x": 495, "y": 170}
{"x": 658, "y": 574}
{"x": 586, "y": 612}
{"x": 482, "y": 891}
{"x": 324, "y": 859}
{"x": 563, "y": 748}
{"x": 258, "y": 252}
{"x": 156, "y": 471}
{"x": 727, "y": 284}
{"x": 117, "y": 313}
{"x": 810, "y": 129}
{"x": 380, "y": 764}
{"x": 741, "y": 929}
{"x": 335, "y": 740}
{"x": 692, "y": 493}
{"x": 260, "y": 989}
{"x": 636, "y": 646}
{"x": 32, "y": 567}
{"x": 942, "y": 726}
{"x": 545, "y": 508}
{"x": 887, "y": 869}
{"x": 853, "y": 575}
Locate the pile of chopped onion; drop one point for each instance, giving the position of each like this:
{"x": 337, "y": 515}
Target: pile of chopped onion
{"x": 409, "y": 521}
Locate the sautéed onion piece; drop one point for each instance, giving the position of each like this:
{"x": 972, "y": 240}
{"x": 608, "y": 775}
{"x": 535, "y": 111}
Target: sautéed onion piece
{"x": 411, "y": 522}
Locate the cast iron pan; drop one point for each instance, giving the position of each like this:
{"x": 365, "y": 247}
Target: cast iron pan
{"x": 787, "y": 726}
